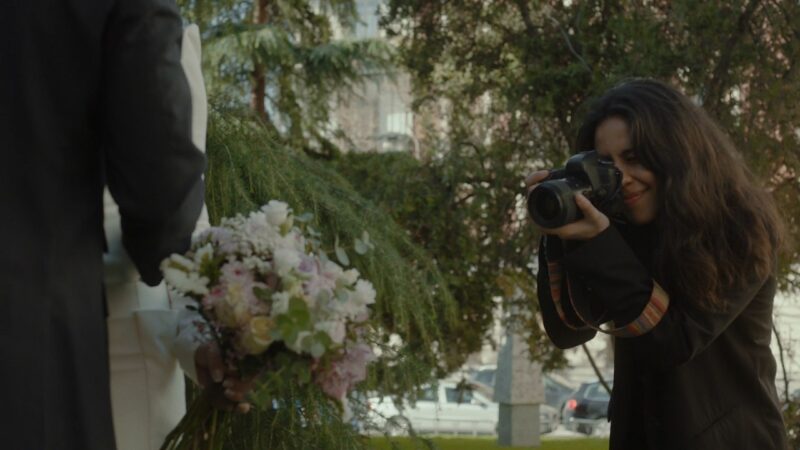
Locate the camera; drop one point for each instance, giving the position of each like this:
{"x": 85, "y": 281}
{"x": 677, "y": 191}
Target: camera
{"x": 552, "y": 203}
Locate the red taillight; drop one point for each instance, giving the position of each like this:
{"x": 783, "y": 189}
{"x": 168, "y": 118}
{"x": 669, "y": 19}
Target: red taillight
{"x": 572, "y": 404}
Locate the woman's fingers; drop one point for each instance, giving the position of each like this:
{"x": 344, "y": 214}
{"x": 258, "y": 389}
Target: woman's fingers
{"x": 599, "y": 220}
{"x": 226, "y": 390}
{"x": 215, "y": 364}
{"x": 209, "y": 365}
{"x": 243, "y": 408}
{"x": 535, "y": 178}
{"x": 592, "y": 223}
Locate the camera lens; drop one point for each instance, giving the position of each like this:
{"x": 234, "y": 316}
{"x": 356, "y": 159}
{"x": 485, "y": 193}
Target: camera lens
{"x": 552, "y": 204}
{"x": 547, "y": 205}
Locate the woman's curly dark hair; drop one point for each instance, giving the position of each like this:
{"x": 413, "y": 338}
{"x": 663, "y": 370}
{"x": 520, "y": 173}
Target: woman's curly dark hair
{"x": 718, "y": 230}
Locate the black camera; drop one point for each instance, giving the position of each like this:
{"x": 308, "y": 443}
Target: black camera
{"x": 552, "y": 203}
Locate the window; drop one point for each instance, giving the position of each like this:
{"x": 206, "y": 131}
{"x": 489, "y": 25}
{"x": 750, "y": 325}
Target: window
{"x": 429, "y": 395}
{"x": 485, "y": 376}
{"x": 597, "y": 392}
{"x": 455, "y": 395}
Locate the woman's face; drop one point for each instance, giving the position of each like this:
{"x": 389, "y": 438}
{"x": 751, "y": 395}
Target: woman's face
{"x": 639, "y": 188}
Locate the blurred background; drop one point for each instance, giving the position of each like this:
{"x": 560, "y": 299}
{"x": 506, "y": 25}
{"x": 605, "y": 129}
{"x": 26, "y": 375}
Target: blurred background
{"x": 428, "y": 114}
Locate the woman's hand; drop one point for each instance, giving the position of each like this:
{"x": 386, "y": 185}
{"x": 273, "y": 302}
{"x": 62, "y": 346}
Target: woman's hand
{"x": 593, "y": 222}
{"x": 226, "y": 390}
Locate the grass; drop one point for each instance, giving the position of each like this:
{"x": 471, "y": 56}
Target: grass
{"x": 448, "y": 443}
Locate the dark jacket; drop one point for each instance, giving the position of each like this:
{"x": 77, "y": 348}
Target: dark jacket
{"x": 698, "y": 379}
{"x": 91, "y": 92}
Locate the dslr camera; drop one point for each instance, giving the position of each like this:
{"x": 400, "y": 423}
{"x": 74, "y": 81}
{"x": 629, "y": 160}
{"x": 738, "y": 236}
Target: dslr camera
{"x": 552, "y": 203}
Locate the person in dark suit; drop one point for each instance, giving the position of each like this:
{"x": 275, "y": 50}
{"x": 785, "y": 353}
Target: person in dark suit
{"x": 687, "y": 281}
{"x": 91, "y": 93}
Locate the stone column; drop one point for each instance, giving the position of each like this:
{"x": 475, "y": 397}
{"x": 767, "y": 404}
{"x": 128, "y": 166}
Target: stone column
{"x": 519, "y": 389}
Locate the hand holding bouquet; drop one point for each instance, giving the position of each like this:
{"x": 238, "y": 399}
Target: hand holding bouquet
{"x": 276, "y": 305}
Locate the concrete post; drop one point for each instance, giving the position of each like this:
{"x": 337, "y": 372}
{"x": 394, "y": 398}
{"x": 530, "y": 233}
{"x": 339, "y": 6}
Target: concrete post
{"x": 519, "y": 389}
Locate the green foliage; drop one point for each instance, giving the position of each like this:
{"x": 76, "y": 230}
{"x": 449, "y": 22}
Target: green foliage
{"x": 298, "y": 418}
{"x": 284, "y": 61}
{"x": 500, "y": 89}
{"x": 516, "y": 76}
{"x": 464, "y": 208}
{"x": 248, "y": 167}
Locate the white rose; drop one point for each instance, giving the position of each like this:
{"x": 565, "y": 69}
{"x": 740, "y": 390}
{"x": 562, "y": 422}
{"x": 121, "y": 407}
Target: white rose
{"x": 331, "y": 270}
{"x": 364, "y": 293}
{"x": 256, "y": 264}
{"x": 237, "y": 305}
{"x": 349, "y": 309}
{"x": 206, "y": 251}
{"x": 350, "y": 276}
{"x": 257, "y": 335}
{"x": 190, "y": 283}
{"x": 285, "y": 260}
{"x": 276, "y": 212}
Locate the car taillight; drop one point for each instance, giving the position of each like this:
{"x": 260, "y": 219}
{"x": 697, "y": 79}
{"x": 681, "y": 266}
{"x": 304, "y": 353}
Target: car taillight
{"x": 572, "y": 404}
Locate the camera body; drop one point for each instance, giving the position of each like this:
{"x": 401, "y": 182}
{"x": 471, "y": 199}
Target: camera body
{"x": 552, "y": 203}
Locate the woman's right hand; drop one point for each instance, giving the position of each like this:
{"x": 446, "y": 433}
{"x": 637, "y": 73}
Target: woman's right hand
{"x": 226, "y": 389}
{"x": 592, "y": 223}
{"x": 533, "y": 180}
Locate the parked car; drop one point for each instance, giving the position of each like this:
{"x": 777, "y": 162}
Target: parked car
{"x": 548, "y": 418}
{"x": 444, "y": 408}
{"x": 587, "y": 408}
{"x": 556, "y": 391}
{"x": 556, "y": 388}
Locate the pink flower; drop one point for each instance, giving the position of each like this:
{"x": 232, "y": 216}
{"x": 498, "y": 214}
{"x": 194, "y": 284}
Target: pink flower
{"x": 334, "y": 384}
{"x": 233, "y": 301}
{"x": 215, "y": 295}
{"x": 344, "y": 373}
{"x": 322, "y": 279}
{"x": 236, "y": 271}
{"x": 308, "y": 265}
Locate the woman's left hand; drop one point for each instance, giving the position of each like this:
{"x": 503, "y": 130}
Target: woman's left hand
{"x": 593, "y": 223}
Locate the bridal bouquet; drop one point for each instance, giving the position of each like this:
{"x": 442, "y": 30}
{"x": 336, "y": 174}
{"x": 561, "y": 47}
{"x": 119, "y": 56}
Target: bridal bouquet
{"x": 274, "y": 301}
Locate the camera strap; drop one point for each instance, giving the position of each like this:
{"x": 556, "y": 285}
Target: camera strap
{"x": 651, "y": 315}
{"x": 554, "y": 276}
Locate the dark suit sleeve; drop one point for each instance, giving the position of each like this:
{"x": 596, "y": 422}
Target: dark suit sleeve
{"x": 153, "y": 170}
{"x": 559, "y": 333}
{"x": 610, "y": 269}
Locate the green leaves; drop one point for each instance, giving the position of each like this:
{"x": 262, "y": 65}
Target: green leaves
{"x": 516, "y": 78}
{"x": 363, "y": 245}
{"x": 288, "y": 64}
{"x": 263, "y": 294}
{"x": 296, "y": 320}
{"x": 341, "y": 254}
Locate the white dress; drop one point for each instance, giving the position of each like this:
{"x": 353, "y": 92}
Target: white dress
{"x": 150, "y": 338}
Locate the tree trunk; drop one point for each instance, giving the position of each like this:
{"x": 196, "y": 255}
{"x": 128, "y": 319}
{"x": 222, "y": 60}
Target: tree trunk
{"x": 596, "y": 369}
{"x": 783, "y": 363}
{"x": 259, "y": 80}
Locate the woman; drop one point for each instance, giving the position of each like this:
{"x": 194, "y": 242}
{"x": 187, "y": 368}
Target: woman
{"x": 687, "y": 278}
{"x": 153, "y": 341}
{"x": 145, "y": 346}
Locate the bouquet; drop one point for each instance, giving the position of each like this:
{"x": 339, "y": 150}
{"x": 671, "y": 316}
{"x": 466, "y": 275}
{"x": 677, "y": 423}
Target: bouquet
{"x": 276, "y": 305}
